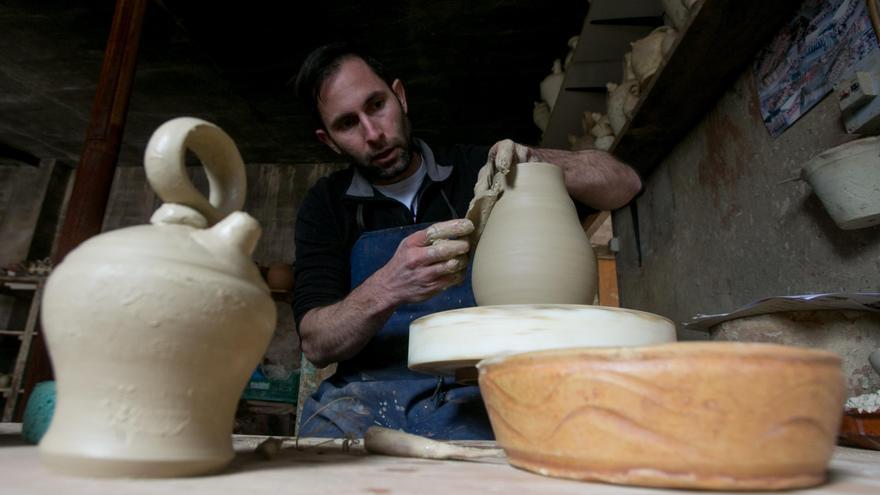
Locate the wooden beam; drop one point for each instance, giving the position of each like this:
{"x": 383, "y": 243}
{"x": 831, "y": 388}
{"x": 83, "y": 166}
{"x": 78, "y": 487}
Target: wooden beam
{"x": 94, "y": 174}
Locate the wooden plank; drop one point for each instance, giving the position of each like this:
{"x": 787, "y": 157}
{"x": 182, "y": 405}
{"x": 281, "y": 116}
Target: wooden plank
{"x": 623, "y": 10}
{"x": 94, "y": 174}
{"x": 14, "y": 407}
{"x": 608, "y": 292}
{"x": 720, "y": 42}
{"x": 329, "y": 467}
{"x": 592, "y": 75}
{"x": 606, "y": 42}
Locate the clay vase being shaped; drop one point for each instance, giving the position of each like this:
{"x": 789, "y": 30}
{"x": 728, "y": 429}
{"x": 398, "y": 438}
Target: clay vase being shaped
{"x": 533, "y": 249}
{"x": 154, "y": 330}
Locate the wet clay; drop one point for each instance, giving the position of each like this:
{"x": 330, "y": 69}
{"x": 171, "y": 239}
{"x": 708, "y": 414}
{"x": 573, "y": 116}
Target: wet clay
{"x": 385, "y": 441}
{"x": 153, "y": 330}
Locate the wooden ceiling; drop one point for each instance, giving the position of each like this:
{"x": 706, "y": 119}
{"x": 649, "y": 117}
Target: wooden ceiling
{"x": 471, "y": 68}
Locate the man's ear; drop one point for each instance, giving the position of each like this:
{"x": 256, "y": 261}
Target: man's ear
{"x": 397, "y": 87}
{"x": 326, "y": 139}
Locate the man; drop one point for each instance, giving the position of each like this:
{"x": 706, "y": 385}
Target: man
{"x": 366, "y": 266}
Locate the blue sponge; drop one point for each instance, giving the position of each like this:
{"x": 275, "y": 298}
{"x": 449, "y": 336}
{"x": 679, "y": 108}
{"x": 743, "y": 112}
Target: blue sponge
{"x": 39, "y": 411}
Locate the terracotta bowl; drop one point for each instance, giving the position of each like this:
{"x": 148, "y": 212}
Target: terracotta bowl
{"x": 729, "y": 416}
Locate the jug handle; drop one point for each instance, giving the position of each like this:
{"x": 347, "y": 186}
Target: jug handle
{"x": 165, "y": 164}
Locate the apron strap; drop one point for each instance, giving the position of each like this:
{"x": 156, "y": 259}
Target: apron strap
{"x": 360, "y": 217}
{"x": 449, "y": 204}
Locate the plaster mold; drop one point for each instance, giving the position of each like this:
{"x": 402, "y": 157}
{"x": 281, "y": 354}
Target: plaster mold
{"x": 622, "y": 101}
{"x": 153, "y": 330}
{"x": 435, "y": 344}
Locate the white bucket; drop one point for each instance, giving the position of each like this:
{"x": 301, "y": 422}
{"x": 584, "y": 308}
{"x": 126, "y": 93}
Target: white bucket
{"x": 847, "y": 180}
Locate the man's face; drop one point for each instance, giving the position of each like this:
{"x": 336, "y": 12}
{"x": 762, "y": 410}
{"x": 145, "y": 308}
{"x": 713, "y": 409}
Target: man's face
{"x": 366, "y": 119}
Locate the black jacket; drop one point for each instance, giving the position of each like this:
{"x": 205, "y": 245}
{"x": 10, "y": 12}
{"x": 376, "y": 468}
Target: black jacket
{"x": 328, "y": 225}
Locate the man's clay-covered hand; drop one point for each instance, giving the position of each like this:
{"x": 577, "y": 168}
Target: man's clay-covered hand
{"x": 449, "y": 238}
{"x": 450, "y": 229}
{"x": 428, "y": 262}
{"x": 507, "y": 153}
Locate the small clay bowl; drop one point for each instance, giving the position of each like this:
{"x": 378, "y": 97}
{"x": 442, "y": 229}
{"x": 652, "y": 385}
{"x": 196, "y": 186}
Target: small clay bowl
{"x": 704, "y": 415}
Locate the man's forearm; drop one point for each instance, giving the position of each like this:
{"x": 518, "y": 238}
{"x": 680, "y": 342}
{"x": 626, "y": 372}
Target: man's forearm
{"x": 337, "y": 332}
{"x": 593, "y": 177}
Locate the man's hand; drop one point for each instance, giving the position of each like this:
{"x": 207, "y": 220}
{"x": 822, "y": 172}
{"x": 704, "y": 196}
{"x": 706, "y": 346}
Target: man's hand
{"x": 427, "y": 262}
{"x": 507, "y": 153}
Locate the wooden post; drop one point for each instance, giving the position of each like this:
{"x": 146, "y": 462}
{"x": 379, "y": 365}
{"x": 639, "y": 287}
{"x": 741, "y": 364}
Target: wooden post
{"x": 94, "y": 174}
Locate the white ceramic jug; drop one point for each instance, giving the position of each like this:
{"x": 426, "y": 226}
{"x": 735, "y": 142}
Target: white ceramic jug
{"x": 533, "y": 249}
{"x": 153, "y": 330}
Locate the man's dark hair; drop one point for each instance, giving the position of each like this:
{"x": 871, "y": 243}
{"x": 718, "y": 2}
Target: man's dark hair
{"x": 322, "y": 63}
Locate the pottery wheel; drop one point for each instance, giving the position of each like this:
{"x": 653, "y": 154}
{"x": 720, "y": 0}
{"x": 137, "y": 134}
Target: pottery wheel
{"x": 452, "y": 342}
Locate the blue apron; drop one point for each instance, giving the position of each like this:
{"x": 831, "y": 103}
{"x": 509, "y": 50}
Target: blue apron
{"x": 375, "y": 387}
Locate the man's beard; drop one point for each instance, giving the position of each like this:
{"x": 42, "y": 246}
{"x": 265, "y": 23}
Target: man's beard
{"x": 389, "y": 174}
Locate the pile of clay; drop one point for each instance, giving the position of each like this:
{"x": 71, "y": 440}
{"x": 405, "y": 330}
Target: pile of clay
{"x": 866, "y": 403}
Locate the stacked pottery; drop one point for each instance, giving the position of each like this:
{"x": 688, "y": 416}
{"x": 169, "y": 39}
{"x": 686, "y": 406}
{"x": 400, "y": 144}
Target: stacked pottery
{"x": 679, "y": 12}
{"x": 153, "y": 330}
{"x": 622, "y": 101}
{"x": 551, "y": 84}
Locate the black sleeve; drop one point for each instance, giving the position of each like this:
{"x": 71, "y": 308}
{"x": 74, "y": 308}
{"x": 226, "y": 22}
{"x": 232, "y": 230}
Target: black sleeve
{"x": 322, "y": 260}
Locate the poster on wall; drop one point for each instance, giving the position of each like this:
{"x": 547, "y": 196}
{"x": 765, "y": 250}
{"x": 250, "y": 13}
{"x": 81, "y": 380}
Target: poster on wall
{"x": 816, "y": 48}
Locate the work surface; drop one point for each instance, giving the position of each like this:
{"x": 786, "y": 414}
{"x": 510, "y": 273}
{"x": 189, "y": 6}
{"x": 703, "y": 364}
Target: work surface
{"x": 319, "y": 466}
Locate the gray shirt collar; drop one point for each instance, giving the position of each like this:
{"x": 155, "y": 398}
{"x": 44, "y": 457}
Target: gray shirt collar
{"x": 360, "y": 187}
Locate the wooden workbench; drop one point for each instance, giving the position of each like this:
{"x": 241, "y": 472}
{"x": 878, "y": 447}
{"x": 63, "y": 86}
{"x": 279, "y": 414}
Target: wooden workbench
{"x": 316, "y": 467}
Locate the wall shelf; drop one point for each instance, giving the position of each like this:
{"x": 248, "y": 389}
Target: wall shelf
{"x": 718, "y": 44}
{"x": 32, "y": 287}
{"x": 609, "y": 28}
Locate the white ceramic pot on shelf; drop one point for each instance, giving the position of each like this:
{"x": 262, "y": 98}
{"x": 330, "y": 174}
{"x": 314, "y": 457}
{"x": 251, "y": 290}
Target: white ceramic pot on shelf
{"x": 847, "y": 180}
